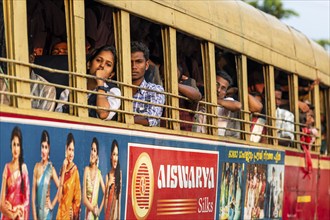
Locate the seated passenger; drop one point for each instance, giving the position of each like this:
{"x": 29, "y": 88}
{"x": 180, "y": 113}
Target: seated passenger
{"x": 227, "y": 107}
{"x": 101, "y": 64}
{"x": 139, "y": 65}
{"x": 187, "y": 88}
{"x": 284, "y": 120}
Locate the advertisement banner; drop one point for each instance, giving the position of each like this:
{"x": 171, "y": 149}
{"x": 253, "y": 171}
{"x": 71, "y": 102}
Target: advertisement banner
{"x": 171, "y": 183}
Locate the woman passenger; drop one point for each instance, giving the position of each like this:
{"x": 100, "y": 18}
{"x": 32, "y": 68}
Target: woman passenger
{"x": 92, "y": 181}
{"x": 15, "y": 189}
{"x": 44, "y": 171}
{"x": 101, "y": 64}
{"x": 113, "y": 185}
{"x": 69, "y": 194}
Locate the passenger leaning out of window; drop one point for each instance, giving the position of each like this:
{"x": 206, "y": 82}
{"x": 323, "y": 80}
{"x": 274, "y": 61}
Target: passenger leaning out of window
{"x": 101, "y": 64}
{"x": 227, "y": 107}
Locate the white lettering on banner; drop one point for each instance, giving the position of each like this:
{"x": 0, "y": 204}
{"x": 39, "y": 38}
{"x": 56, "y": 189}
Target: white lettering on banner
{"x": 185, "y": 177}
{"x": 204, "y": 205}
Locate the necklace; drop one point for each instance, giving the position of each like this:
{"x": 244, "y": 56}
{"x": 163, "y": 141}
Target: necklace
{"x": 93, "y": 174}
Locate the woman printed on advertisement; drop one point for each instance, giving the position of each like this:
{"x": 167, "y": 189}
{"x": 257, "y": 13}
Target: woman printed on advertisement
{"x": 69, "y": 193}
{"x": 15, "y": 189}
{"x": 113, "y": 185}
{"x": 92, "y": 182}
{"x": 43, "y": 173}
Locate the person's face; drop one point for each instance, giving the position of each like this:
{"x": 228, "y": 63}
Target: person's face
{"x": 278, "y": 98}
{"x": 114, "y": 158}
{"x": 103, "y": 61}
{"x": 15, "y": 148}
{"x": 60, "y": 49}
{"x": 222, "y": 86}
{"x": 70, "y": 152}
{"x": 93, "y": 156}
{"x": 310, "y": 118}
{"x": 44, "y": 151}
{"x": 255, "y": 170}
{"x": 139, "y": 65}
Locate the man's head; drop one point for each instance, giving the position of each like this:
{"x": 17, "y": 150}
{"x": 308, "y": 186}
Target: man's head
{"x": 223, "y": 82}
{"x": 278, "y": 95}
{"x": 139, "y": 61}
{"x": 60, "y": 48}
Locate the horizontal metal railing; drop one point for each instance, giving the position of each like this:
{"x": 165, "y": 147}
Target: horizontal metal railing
{"x": 130, "y": 99}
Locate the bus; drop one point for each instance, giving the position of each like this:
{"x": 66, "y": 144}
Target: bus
{"x": 183, "y": 167}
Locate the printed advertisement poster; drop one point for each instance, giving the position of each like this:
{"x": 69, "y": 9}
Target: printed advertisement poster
{"x": 171, "y": 183}
{"x": 251, "y": 184}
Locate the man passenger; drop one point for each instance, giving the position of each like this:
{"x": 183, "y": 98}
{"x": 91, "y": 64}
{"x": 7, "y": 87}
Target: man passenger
{"x": 227, "y": 107}
{"x": 139, "y": 65}
{"x": 285, "y": 120}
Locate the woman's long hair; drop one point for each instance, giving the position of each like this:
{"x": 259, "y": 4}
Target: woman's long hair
{"x": 117, "y": 170}
{"x": 18, "y": 133}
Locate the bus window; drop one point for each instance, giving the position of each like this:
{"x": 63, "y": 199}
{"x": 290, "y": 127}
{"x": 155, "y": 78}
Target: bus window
{"x": 307, "y": 113}
{"x": 256, "y": 88}
{"x": 284, "y": 108}
{"x": 225, "y": 64}
{"x": 147, "y": 59}
{"x": 324, "y": 109}
{"x": 4, "y": 82}
{"x": 190, "y": 78}
{"x": 47, "y": 32}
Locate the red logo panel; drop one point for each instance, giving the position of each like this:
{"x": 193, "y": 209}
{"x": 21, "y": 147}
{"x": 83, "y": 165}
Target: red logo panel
{"x": 167, "y": 183}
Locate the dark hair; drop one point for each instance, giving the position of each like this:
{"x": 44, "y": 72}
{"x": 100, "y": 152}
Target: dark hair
{"x": 69, "y": 139}
{"x": 278, "y": 87}
{"x": 96, "y": 52}
{"x": 140, "y": 47}
{"x": 18, "y": 133}
{"x": 225, "y": 76}
{"x": 45, "y": 138}
{"x": 117, "y": 170}
{"x": 97, "y": 145}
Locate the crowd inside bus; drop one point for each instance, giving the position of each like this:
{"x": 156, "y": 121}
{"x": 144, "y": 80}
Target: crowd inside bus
{"x": 48, "y": 47}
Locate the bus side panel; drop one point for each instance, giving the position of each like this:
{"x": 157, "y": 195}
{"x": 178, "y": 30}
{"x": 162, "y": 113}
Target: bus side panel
{"x": 299, "y": 189}
{"x": 323, "y": 201}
